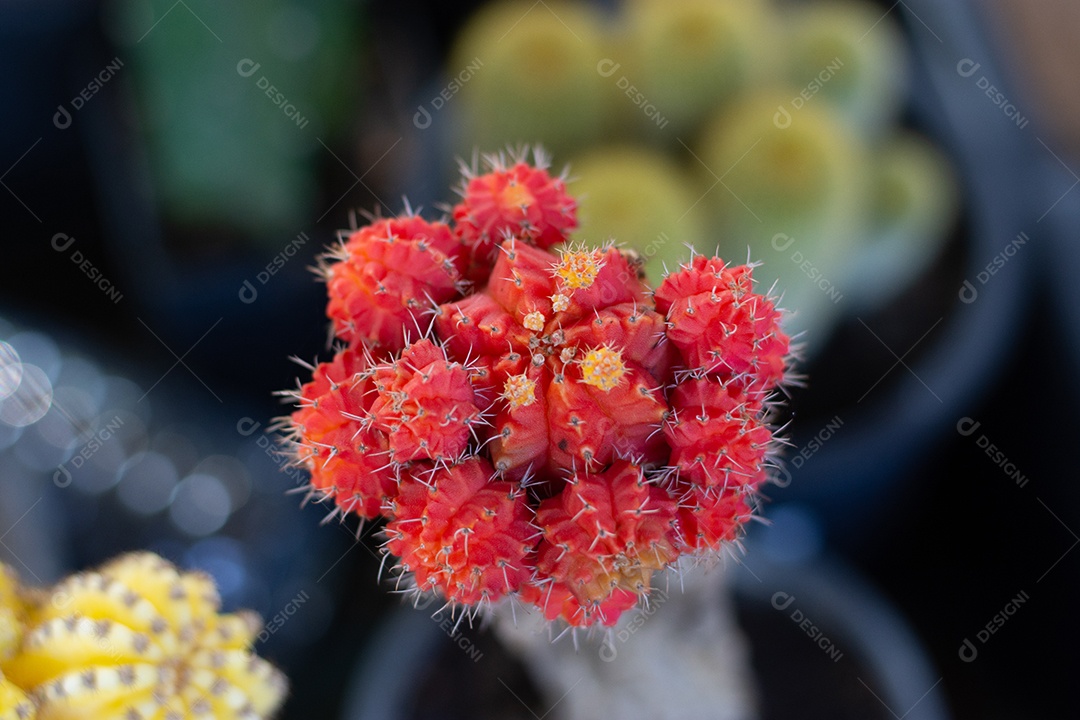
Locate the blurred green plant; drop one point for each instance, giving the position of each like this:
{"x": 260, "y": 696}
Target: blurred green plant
{"x": 690, "y": 57}
{"x": 539, "y": 78}
{"x": 779, "y": 123}
{"x": 641, "y": 198}
{"x": 856, "y": 59}
{"x": 233, "y": 100}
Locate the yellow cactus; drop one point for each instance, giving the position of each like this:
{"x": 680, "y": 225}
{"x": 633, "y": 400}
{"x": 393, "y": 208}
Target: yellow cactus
{"x": 14, "y": 705}
{"x": 12, "y": 613}
{"x": 139, "y": 639}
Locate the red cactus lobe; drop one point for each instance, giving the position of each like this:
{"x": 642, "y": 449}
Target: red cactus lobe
{"x": 572, "y": 424}
{"x": 525, "y": 280}
{"x": 460, "y": 532}
{"x": 520, "y": 438}
{"x": 557, "y": 602}
{"x": 589, "y": 426}
{"x": 603, "y": 367}
{"x": 596, "y": 368}
{"x": 721, "y": 326}
{"x": 637, "y": 331}
{"x": 478, "y": 331}
{"x": 707, "y": 520}
{"x": 616, "y": 283}
{"x": 521, "y": 201}
{"x": 519, "y": 391}
{"x": 425, "y": 405}
{"x": 717, "y": 435}
{"x": 336, "y": 440}
{"x": 578, "y": 268}
{"x": 386, "y": 274}
{"x": 606, "y": 531}
{"x": 521, "y": 280}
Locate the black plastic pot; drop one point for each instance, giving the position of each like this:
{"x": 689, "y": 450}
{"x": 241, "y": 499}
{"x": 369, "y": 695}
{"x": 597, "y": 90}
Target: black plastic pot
{"x": 851, "y": 474}
{"x": 824, "y": 645}
{"x": 1060, "y": 257}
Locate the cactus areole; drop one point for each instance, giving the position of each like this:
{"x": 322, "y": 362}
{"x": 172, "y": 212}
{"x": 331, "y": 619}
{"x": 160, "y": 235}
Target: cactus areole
{"x": 530, "y": 419}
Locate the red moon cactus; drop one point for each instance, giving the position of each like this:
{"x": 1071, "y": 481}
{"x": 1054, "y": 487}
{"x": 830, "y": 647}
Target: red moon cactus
{"x": 559, "y": 432}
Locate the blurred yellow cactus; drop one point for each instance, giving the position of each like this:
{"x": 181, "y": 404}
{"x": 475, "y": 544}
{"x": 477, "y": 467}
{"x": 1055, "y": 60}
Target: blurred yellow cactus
{"x": 140, "y": 639}
{"x": 12, "y": 612}
{"x": 14, "y": 705}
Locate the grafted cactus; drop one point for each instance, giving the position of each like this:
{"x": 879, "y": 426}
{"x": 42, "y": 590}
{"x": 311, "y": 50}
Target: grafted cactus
{"x": 557, "y": 432}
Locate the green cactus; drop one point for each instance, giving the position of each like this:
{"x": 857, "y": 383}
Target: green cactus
{"x": 915, "y": 204}
{"x": 640, "y": 198}
{"x": 851, "y": 55}
{"x": 690, "y": 57}
{"x": 796, "y": 195}
{"x": 538, "y": 81}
